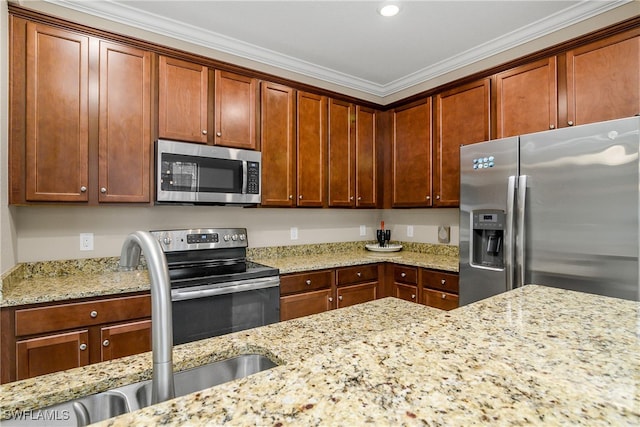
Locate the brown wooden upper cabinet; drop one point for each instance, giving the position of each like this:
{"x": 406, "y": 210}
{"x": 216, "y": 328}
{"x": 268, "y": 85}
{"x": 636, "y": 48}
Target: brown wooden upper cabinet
{"x": 189, "y": 108}
{"x": 278, "y": 144}
{"x": 78, "y": 91}
{"x": 366, "y": 158}
{"x": 311, "y": 138}
{"x": 527, "y": 98}
{"x": 463, "y": 117}
{"x": 603, "y": 80}
{"x": 411, "y": 155}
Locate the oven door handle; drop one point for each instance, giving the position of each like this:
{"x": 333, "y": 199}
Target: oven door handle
{"x": 229, "y": 288}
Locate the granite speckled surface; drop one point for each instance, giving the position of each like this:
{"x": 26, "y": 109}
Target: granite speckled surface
{"x": 532, "y": 356}
{"x": 41, "y": 282}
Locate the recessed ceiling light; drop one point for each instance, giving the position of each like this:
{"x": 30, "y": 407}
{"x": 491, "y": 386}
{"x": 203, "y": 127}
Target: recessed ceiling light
{"x": 389, "y": 9}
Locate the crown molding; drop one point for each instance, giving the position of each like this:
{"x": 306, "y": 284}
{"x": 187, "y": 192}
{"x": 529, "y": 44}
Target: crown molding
{"x": 127, "y": 15}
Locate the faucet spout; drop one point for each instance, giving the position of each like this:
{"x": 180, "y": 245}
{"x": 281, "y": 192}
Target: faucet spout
{"x": 161, "y": 315}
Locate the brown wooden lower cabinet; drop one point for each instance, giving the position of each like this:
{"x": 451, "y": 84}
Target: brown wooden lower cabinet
{"x": 43, "y": 355}
{"x": 356, "y": 294}
{"x": 406, "y": 292}
{"x": 305, "y": 304}
{"x": 439, "y": 299}
{"x": 125, "y": 339}
{"x": 440, "y": 289}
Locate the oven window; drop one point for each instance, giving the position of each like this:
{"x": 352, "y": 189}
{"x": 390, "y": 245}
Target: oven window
{"x": 200, "y": 174}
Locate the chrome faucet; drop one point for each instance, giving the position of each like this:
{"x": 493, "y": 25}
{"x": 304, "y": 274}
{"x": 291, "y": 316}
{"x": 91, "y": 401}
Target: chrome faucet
{"x": 161, "y": 317}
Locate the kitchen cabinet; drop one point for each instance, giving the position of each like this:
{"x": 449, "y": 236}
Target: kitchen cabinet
{"x": 440, "y": 289}
{"x": 306, "y": 293}
{"x": 352, "y": 156}
{"x": 311, "y": 140}
{"x": 411, "y": 155}
{"x": 356, "y": 285}
{"x": 527, "y": 98}
{"x": 463, "y": 117}
{"x": 51, "y": 337}
{"x": 278, "y": 144}
{"x": 405, "y": 283}
{"x": 77, "y": 93}
{"x": 603, "y": 80}
{"x": 235, "y": 110}
{"x": 183, "y": 100}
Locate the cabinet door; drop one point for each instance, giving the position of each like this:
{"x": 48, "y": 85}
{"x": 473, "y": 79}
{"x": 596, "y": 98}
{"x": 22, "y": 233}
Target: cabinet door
{"x": 235, "y": 104}
{"x": 356, "y": 294}
{"x": 366, "y": 180}
{"x": 603, "y": 80}
{"x": 43, "y": 355}
{"x": 182, "y": 98}
{"x": 527, "y": 98}
{"x": 462, "y": 118}
{"x": 125, "y": 124}
{"x": 57, "y": 115}
{"x": 312, "y": 149}
{"x": 305, "y": 304}
{"x": 406, "y": 292}
{"x": 439, "y": 299}
{"x": 411, "y": 155}
{"x": 278, "y": 145}
{"x": 125, "y": 339}
{"x": 341, "y": 154}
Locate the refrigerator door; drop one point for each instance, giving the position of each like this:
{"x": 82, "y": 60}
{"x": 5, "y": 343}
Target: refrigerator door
{"x": 486, "y": 235}
{"x": 581, "y": 216}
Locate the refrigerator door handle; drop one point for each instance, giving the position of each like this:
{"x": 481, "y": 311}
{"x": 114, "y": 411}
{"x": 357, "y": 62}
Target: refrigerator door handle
{"x": 509, "y": 227}
{"x": 520, "y": 230}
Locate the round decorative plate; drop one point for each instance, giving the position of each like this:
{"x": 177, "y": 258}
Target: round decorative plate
{"x": 374, "y": 247}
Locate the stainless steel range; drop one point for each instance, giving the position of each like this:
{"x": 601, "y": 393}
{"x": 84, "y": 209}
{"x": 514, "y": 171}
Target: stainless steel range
{"x": 215, "y": 290}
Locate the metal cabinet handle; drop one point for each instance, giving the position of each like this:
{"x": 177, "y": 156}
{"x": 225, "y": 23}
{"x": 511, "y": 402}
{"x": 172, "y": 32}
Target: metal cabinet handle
{"x": 351, "y": 198}
{"x": 83, "y": 347}
{"x": 83, "y": 189}
{"x": 290, "y": 196}
{"x": 300, "y": 197}
{"x": 444, "y": 296}
{"x": 330, "y": 299}
{"x": 105, "y": 343}
{"x": 428, "y": 197}
{"x": 403, "y": 274}
{"x": 93, "y": 314}
{"x": 438, "y": 197}
{"x": 359, "y": 274}
{"x": 443, "y": 282}
{"x": 103, "y": 190}
{"x": 570, "y": 122}
{"x": 218, "y": 133}
{"x": 204, "y": 131}
{"x": 413, "y": 296}
{"x": 552, "y": 126}
{"x": 340, "y": 297}
{"x": 359, "y": 197}
{"x": 308, "y": 282}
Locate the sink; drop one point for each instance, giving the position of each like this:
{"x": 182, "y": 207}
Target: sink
{"x": 118, "y": 401}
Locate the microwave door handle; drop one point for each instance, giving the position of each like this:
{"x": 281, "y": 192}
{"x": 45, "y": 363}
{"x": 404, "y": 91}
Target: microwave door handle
{"x": 244, "y": 176}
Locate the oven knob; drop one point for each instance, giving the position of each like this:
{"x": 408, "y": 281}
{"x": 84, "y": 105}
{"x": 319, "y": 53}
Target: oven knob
{"x": 242, "y": 237}
{"x": 226, "y": 237}
{"x": 234, "y": 237}
{"x": 166, "y": 240}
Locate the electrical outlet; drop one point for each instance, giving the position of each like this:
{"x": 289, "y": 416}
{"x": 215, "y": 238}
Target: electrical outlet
{"x": 363, "y": 230}
{"x": 409, "y": 230}
{"x": 294, "y": 233}
{"x": 86, "y": 241}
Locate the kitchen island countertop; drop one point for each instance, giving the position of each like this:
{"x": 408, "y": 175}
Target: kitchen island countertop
{"x": 535, "y": 355}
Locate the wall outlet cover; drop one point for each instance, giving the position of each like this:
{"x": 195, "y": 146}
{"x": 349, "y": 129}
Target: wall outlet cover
{"x": 363, "y": 230}
{"x": 409, "y": 230}
{"x": 86, "y": 241}
{"x": 294, "y": 233}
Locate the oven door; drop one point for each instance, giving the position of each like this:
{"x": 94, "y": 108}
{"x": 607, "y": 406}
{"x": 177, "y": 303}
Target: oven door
{"x": 204, "y": 311}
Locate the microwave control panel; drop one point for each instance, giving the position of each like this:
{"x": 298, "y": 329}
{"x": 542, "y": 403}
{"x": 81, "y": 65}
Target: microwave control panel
{"x": 253, "y": 177}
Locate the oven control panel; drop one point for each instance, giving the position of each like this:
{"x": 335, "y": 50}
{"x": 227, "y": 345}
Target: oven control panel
{"x": 201, "y": 238}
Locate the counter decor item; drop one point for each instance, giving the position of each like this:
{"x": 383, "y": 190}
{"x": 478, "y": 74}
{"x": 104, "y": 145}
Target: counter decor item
{"x": 383, "y": 237}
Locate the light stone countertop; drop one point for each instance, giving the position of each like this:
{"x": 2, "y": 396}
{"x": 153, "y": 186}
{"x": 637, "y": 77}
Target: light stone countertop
{"x": 532, "y": 356}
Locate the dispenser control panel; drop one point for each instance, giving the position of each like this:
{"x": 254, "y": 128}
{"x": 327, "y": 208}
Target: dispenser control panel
{"x": 487, "y": 238}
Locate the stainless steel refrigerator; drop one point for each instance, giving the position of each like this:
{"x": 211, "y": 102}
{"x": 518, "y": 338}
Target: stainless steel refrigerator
{"x": 557, "y": 208}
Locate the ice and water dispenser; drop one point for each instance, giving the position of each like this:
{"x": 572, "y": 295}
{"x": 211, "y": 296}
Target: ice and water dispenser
{"x": 487, "y": 238}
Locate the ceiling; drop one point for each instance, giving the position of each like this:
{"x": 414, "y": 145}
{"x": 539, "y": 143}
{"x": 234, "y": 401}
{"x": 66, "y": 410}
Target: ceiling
{"x": 347, "y": 42}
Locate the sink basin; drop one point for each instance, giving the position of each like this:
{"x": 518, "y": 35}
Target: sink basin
{"x": 111, "y": 403}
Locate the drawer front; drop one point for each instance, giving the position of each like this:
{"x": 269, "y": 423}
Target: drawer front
{"x": 66, "y": 316}
{"x": 305, "y": 304}
{"x": 439, "y": 299}
{"x": 357, "y": 274}
{"x": 294, "y": 283}
{"x": 439, "y": 280}
{"x": 405, "y": 274}
{"x": 406, "y": 292}
{"x": 356, "y": 294}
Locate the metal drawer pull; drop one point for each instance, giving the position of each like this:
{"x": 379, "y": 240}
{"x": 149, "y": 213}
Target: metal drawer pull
{"x": 308, "y": 282}
{"x": 93, "y": 314}
{"x": 105, "y": 343}
{"x": 83, "y": 347}
{"x": 340, "y": 297}
{"x": 413, "y": 296}
{"x": 403, "y": 274}
{"x": 330, "y": 299}
{"x": 359, "y": 274}
{"x": 444, "y": 296}
{"x": 443, "y": 281}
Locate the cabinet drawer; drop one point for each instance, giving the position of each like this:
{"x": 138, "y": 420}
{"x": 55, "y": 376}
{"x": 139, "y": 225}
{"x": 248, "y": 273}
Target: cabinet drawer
{"x": 439, "y": 280}
{"x": 439, "y": 299}
{"x": 406, "y": 292}
{"x": 358, "y": 274}
{"x": 405, "y": 274}
{"x": 305, "y": 282}
{"x": 356, "y": 294}
{"x": 305, "y": 304}
{"x": 66, "y": 316}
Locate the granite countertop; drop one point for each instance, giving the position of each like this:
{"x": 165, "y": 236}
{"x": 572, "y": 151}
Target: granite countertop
{"x": 535, "y": 355}
{"x": 58, "y": 281}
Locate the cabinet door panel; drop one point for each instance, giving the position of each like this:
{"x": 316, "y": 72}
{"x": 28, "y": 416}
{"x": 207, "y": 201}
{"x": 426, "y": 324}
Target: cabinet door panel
{"x": 182, "y": 99}
{"x": 341, "y": 154}
{"x": 125, "y": 340}
{"x": 366, "y": 180}
{"x": 57, "y": 132}
{"x": 603, "y": 80}
{"x": 235, "y": 101}
{"x": 411, "y": 152}
{"x": 305, "y": 304}
{"x": 356, "y": 294}
{"x": 278, "y": 145}
{"x": 125, "y": 124}
{"x": 312, "y": 149}
{"x": 439, "y": 299}
{"x": 462, "y": 118}
{"x": 39, "y": 356}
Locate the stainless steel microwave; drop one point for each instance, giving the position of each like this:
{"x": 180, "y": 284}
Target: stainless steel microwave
{"x": 202, "y": 174}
